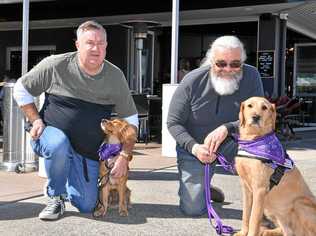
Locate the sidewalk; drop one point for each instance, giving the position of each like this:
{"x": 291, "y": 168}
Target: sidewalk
{"x": 154, "y": 185}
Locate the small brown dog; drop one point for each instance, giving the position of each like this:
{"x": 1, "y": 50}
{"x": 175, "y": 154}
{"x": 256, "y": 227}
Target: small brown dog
{"x": 112, "y": 189}
{"x": 290, "y": 204}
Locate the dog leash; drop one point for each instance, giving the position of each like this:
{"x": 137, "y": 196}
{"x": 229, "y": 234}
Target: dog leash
{"x": 219, "y": 226}
{"x": 99, "y": 203}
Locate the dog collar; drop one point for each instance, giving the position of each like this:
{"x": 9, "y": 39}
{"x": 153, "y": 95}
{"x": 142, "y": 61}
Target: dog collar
{"x": 106, "y": 151}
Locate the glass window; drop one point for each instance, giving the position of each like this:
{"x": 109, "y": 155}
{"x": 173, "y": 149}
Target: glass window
{"x": 305, "y": 70}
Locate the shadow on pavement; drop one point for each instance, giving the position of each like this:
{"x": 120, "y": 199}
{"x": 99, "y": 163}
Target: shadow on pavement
{"x": 139, "y": 213}
{"x": 165, "y": 176}
{"x": 20, "y": 210}
{"x": 152, "y": 175}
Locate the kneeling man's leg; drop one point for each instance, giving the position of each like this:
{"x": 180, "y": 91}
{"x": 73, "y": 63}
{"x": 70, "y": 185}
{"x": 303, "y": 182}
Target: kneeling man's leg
{"x": 82, "y": 185}
{"x": 191, "y": 178}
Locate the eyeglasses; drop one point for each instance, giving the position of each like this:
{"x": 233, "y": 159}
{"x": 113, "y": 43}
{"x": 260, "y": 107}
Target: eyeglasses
{"x": 233, "y": 64}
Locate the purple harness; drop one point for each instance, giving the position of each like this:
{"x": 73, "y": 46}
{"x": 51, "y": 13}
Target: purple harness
{"x": 267, "y": 147}
{"x": 107, "y": 151}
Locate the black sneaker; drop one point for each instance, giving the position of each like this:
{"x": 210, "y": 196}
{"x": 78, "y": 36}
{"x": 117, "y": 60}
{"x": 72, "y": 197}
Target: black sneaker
{"x": 54, "y": 210}
{"x": 217, "y": 195}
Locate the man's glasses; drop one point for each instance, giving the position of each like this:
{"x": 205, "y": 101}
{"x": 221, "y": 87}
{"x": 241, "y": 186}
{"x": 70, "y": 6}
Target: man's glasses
{"x": 233, "y": 64}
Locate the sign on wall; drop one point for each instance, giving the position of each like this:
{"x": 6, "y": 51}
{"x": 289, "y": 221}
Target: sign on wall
{"x": 265, "y": 63}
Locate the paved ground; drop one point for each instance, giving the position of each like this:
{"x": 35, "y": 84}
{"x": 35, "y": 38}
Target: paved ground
{"x": 154, "y": 185}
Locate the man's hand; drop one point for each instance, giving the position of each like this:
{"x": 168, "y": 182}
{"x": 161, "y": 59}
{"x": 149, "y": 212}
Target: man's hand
{"x": 202, "y": 153}
{"x": 37, "y": 129}
{"x": 215, "y": 138}
{"x": 120, "y": 167}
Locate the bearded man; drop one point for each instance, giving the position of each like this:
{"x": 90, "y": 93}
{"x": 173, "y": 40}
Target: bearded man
{"x": 203, "y": 114}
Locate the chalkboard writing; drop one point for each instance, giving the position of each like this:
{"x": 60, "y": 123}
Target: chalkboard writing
{"x": 265, "y": 64}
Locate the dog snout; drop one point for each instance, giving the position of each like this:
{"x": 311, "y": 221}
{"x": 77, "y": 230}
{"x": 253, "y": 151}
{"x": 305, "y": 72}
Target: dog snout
{"x": 256, "y": 118}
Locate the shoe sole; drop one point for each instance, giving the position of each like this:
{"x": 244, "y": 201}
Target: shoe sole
{"x": 217, "y": 195}
{"x": 51, "y": 217}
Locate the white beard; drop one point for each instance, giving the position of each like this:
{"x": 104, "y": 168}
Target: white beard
{"x": 225, "y": 86}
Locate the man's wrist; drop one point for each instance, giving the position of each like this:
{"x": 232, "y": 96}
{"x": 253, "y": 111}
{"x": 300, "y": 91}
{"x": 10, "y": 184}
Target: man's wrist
{"x": 194, "y": 149}
{"x": 231, "y": 127}
{"x": 36, "y": 121}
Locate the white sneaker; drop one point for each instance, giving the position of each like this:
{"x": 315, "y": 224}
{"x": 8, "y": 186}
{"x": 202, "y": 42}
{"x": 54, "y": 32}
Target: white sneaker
{"x": 54, "y": 210}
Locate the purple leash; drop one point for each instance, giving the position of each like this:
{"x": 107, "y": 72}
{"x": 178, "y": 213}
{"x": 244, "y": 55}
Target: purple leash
{"x": 219, "y": 227}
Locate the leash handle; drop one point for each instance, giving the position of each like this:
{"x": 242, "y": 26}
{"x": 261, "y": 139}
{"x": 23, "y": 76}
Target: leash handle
{"x": 219, "y": 227}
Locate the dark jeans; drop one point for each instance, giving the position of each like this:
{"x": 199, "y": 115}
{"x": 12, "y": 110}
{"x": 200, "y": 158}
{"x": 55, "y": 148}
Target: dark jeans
{"x": 191, "y": 177}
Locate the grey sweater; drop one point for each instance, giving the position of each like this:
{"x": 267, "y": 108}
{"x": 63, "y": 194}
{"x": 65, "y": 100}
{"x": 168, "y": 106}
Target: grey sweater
{"x": 196, "y": 109}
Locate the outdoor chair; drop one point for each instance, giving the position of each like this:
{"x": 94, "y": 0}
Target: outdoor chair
{"x": 142, "y": 107}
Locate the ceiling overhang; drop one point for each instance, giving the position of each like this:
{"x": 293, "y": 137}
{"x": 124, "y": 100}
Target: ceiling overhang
{"x": 301, "y": 17}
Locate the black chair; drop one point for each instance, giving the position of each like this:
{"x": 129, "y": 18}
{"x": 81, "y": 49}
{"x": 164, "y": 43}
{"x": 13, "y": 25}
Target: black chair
{"x": 155, "y": 123}
{"x": 142, "y": 107}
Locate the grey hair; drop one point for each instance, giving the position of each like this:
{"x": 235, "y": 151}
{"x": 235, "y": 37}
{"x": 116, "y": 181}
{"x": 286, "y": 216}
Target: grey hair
{"x": 227, "y": 42}
{"x": 90, "y": 25}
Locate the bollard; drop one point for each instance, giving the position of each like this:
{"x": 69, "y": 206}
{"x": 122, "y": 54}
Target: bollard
{"x": 17, "y": 152}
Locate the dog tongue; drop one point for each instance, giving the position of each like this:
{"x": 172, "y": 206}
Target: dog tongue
{"x": 107, "y": 151}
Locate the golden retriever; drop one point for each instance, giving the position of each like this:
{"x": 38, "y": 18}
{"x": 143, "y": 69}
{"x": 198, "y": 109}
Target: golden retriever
{"x": 290, "y": 204}
{"x": 112, "y": 189}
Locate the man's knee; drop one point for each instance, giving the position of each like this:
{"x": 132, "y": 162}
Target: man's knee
{"x": 192, "y": 209}
{"x": 58, "y": 144}
{"x": 192, "y": 202}
{"x": 85, "y": 206}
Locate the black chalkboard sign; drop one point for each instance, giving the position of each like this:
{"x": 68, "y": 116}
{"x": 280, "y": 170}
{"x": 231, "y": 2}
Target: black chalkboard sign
{"x": 265, "y": 64}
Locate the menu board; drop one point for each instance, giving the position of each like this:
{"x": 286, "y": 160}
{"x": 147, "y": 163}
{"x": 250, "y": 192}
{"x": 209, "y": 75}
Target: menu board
{"x": 265, "y": 64}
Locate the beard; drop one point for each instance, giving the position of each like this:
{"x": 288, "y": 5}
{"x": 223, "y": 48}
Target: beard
{"x": 226, "y": 84}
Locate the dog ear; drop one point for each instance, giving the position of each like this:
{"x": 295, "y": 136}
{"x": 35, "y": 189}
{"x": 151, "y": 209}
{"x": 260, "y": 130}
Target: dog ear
{"x": 241, "y": 114}
{"x": 108, "y": 127}
{"x": 273, "y": 115}
{"x": 104, "y": 123}
{"x": 129, "y": 133}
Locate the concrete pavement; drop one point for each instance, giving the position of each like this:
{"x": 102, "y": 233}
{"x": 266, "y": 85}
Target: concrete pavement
{"x": 154, "y": 185}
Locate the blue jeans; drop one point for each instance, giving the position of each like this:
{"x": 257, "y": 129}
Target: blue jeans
{"x": 191, "y": 178}
{"x": 64, "y": 168}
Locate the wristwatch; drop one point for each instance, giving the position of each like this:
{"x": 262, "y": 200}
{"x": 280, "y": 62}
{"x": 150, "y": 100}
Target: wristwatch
{"x": 126, "y": 156}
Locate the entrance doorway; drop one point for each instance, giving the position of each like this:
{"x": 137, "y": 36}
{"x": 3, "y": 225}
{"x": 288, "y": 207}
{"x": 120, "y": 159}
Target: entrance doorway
{"x": 36, "y": 54}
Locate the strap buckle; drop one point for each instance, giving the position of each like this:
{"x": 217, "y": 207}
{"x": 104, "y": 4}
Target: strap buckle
{"x": 277, "y": 176}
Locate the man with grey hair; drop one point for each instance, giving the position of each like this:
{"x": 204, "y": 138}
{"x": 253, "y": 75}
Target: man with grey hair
{"x": 203, "y": 114}
{"x": 81, "y": 88}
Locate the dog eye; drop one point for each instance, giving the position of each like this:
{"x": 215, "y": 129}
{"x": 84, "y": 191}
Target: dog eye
{"x": 264, "y": 107}
{"x": 249, "y": 105}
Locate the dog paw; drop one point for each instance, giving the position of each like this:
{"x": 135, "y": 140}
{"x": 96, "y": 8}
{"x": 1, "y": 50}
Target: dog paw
{"x": 239, "y": 233}
{"x": 99, "y": 212}
{"x": 272, "y": 232}
{"x": 123, "y": 213}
